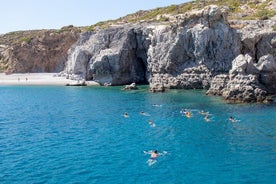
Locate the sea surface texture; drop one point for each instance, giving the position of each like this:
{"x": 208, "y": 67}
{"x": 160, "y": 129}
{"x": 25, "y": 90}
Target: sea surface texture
{"x": 80, "y": 135}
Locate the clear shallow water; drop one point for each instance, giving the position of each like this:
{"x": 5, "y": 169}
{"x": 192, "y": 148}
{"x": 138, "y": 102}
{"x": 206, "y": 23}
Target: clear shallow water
{"x": 79, "y": 135}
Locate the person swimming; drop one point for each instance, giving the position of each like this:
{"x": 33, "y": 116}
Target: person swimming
{"x": 154, "y": 154}
{"x": 126, "y": 115}
{"x": 202, "y": 112}
{"x": 232, "y": 119}
{"x": 144, "y": 114}
{"x": 153, "y": 157}
{"x": 188, "y": 114}
{"x": 151, "y": 123}
{"x": 156, "y": 105}
{"x": 207, "y": 119}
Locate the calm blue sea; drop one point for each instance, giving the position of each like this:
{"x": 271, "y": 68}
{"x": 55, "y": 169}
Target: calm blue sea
{"x": 79, "y": 135}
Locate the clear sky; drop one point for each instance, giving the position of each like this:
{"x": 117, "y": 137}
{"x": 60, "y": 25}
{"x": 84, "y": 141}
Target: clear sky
{"x": 18, "y": 15}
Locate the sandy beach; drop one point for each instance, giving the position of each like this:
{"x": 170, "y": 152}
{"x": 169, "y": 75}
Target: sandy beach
{"x": 38, "y": 79}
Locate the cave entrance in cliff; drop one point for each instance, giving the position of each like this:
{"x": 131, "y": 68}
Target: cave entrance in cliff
{"x": 144, "y": 69}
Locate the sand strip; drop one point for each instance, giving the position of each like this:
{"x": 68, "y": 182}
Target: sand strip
{"x": 50, "y": 79}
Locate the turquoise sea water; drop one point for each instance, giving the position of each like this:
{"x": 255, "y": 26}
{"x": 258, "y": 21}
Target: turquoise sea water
{"x": 79, "y": 135}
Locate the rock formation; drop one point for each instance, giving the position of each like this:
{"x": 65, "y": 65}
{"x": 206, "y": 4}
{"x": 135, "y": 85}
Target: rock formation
{"x": 113, "y": 56}
{"x": 200, "y": 49}
{"x": 181, "y": 55}
{"x": 132, "y": 86}
{"x": 37, "y": 51}
{"x": 187, "y": 54}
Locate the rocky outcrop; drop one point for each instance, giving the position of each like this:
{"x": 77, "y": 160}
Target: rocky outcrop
{"x": 218, "y": 84}
{"x": 198, "y": 50}
{"x": 132, "y": 86}
{"x": 179, "y": 55}
{"x": 267, "y": 67}
{"x": 115, "y": 56}
{"x": 244, "y": 88}
{"x": 188, "y": 54}
{"x": 37, "y": 51}
{"x": 246, "y": 82}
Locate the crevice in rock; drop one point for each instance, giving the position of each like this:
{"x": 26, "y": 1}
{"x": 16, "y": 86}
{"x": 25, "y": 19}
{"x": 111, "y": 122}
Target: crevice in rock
{"x": 144, "y": 68}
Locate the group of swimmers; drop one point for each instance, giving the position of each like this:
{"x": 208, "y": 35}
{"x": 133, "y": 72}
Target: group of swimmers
{"x": 188, "y": 114}
{"x": 154, "y": 154}
{"x": 151, "y": 123}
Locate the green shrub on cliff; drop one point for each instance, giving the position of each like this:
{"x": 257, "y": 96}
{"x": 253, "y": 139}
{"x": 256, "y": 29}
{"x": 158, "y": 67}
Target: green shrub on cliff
{"x": 99, "y": 25}
{"x": 27, "y": 39}
{"x": 265, "y": 14}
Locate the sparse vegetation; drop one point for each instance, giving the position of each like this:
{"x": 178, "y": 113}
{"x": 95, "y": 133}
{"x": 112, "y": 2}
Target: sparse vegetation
{"x": 99, "y": 25}
{"x": 274, "y": 28}
{"x": 257, "y": 10}
{"x": 27, "y": 39}
{"x": 265, "y": 14}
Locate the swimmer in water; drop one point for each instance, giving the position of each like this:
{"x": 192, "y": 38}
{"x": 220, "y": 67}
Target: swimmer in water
{"x": 232, "y": 119}
{"x": 144, "y": 114}
{"x": 154, "y": 154}
{"x": 126, "y": 115}
{"x": 188, "y": 114}
{"x": 153, "y": 157}
{"x": 202, "y": 112}
{"x": 156, "y": 105}
{"x": 151, "y": 123}
{"x": 207, "y": 118}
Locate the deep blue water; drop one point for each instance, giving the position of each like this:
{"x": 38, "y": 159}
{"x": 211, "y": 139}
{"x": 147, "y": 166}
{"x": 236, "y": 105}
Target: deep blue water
{"x": 79, "y": 135}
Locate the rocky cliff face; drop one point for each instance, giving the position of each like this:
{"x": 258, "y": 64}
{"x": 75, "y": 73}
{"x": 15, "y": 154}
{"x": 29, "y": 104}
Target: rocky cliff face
{"x": 184, "y": 54}
{"x": 37, "y": 51}
{"x": 195, "y": 50}
{"x": 252, "y": 76}
{"x": 200, "y": 49}
{"x": 188, "y": 53}
{"x": 113, "y": 56}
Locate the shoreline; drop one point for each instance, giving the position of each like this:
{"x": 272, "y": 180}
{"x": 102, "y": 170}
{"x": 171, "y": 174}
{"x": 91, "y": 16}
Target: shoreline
{"x": 38, "y": 79}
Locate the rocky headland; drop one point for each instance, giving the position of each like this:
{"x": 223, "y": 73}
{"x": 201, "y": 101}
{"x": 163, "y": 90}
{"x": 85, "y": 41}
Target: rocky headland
{"x": 198, "y": 49}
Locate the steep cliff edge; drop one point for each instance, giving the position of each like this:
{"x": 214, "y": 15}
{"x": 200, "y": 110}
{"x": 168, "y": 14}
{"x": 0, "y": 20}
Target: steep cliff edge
{"x": 190, "y": 51}
{"x": 197, "y": 49}
{"x": 36, "y": 51}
